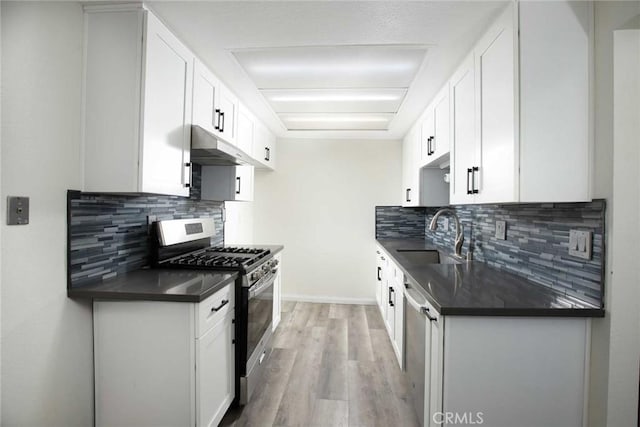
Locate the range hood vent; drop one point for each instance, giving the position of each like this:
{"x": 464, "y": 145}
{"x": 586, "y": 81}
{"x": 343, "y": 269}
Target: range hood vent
{"x": 207, "y": 149}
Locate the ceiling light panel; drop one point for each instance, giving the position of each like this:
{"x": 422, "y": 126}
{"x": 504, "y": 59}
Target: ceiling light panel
{"x": 335, "y": 100}
{"x": 336, "y": 121}
{"x": 332, "y": 66}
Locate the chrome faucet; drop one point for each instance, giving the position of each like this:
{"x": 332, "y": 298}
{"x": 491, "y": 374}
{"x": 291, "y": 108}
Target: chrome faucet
{"x": 459, "y": 232}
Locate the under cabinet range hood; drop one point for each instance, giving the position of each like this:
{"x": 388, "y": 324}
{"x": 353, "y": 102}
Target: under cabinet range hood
{"x": 207, "y": 149}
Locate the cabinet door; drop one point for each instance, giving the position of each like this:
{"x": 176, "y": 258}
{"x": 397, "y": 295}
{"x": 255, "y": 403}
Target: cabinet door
{"x": 391, "y": 309}
{"x": 497, "y": 175}
{"x": 441, "y": 125}
{"x": 463, "y": 150}
{"x": 166, "y": 140}
{"x": 228, "y": 105}
{"x": 264, "y": 146}
{"x": 399, "y": 318}
{"x": 205, "y": 88}
{"x": 379, "y": 280}
{"x": 270, "y": 150}
{"x": 246, "y": 130}
{"x": 244, "y": 183}
{"x": 426, "y": 137}
{"x": 410, "y": 168}
{"x": 227, "y": 183}
{"x": 215, "y": 372}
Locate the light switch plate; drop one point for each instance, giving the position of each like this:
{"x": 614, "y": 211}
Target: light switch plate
{"x": 580, "y": 243}
{"x": 445, "y": 223}
{"x": 501, "y": 230}
{"x": 17, "y": 210}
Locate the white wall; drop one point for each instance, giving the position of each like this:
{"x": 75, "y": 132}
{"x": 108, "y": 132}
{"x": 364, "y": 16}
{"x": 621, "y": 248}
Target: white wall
{"x": 1, "y": 218}
{"x": 609, "y": 16}
{"x": 47, "y": 371}
{"x": 320, "y": 205}
{"x": 624, "y": 295}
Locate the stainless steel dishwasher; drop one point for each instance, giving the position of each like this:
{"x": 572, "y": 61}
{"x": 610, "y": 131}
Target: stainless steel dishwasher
{"x": 422, "y": 353}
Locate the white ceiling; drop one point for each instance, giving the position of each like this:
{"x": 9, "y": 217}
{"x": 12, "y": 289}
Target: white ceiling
{"x": 329, "y": 87}
{"x": 254, "y": 45}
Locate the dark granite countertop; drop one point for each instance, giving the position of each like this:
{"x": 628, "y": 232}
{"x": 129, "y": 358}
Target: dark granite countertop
{"x": 476, "y": 289}
{"x": 157, "y": 284}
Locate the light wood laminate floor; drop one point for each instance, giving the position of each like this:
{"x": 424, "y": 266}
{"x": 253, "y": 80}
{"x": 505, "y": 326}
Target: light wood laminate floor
{"x": 332, "y": 365}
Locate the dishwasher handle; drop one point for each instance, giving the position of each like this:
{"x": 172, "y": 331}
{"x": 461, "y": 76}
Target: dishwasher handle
{"x": 411, "y": 299}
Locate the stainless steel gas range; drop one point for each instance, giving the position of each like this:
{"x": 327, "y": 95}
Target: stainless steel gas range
{"x": 186, "y": 244}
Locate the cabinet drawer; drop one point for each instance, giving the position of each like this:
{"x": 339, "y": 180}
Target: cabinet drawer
{"x": 215, "y": 308}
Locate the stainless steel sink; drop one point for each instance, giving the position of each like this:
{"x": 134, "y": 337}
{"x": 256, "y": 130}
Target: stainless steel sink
{"x": 420, "y": 256}
{"x": 426, "y": 256}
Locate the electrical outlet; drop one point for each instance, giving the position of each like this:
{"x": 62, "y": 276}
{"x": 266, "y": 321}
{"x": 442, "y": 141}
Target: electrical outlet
{"x": 445, "y": 223}
{"x": 501, "y": 230}
{"x": 17, "y": 210}
{"x": 580, "y": 243}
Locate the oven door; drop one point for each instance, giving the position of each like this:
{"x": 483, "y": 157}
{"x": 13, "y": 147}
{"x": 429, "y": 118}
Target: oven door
{"x": 259, "y": 313}
{"x": 257, "y": 317}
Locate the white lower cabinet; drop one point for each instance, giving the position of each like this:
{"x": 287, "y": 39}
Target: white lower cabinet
{"x": 214, "y": 386}
{"x": 506, "y": 371}
{"x": 380, "y": 285}
{"x": 164, "y": 363}
{"x": 390, "y": 299}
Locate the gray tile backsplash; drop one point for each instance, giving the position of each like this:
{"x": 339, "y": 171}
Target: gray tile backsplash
{"x": 108, "y": 233}
{"x": 536, "y": 245}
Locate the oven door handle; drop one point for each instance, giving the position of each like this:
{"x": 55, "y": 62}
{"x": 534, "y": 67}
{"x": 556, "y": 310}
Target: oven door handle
{"x": 259, "y": 287}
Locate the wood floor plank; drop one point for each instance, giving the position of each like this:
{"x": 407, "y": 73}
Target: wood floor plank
{"x": 291, "y": 333}
{"x": 311, "y": 381}
{"x": 296, "y": 405}
{"x": 387, "y": 360}
{"x": 262, "y": 410}
{"x": 300, "y": 314}
{"x": 369, "y": 392}
{"x": 332, "y": 379}
{"x": 330, "y": 413}
{"x": 318, "y": 315}
{"x": 339, "y": 311}
{"x": 374, "y": 319}
{"x": 287, "y": 306}
{"x": 360, "y": 347}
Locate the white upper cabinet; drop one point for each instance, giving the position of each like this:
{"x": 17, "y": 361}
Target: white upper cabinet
{"x": 463, "y": 150}
{"x": 214, "y": 106}
{"x": 227, "y": 110}
{"x": 246, "y": 129}
{"x": 264, "y": 147}
{"x": 205, "y": 92}
{"x": 556, "y": 98}
{"x": 410, "y": 171}
{"x": 137, "y": 104}
{"x": 530, "y": 86}
{"x": 495, "y": 171}
{"x": 436, "y": 130}
{"x": 420, "y": 186}
{"x": 227, "y": 183}
{"x": 484, "y": 161}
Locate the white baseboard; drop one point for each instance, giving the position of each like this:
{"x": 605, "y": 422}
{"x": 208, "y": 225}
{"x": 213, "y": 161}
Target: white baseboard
{"x": 328, "y": 299}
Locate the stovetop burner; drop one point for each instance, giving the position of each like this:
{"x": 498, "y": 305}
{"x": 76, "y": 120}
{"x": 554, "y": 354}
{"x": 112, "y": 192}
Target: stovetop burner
{"x": 220, "y": 258}
{"x": 237, "y": 250}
